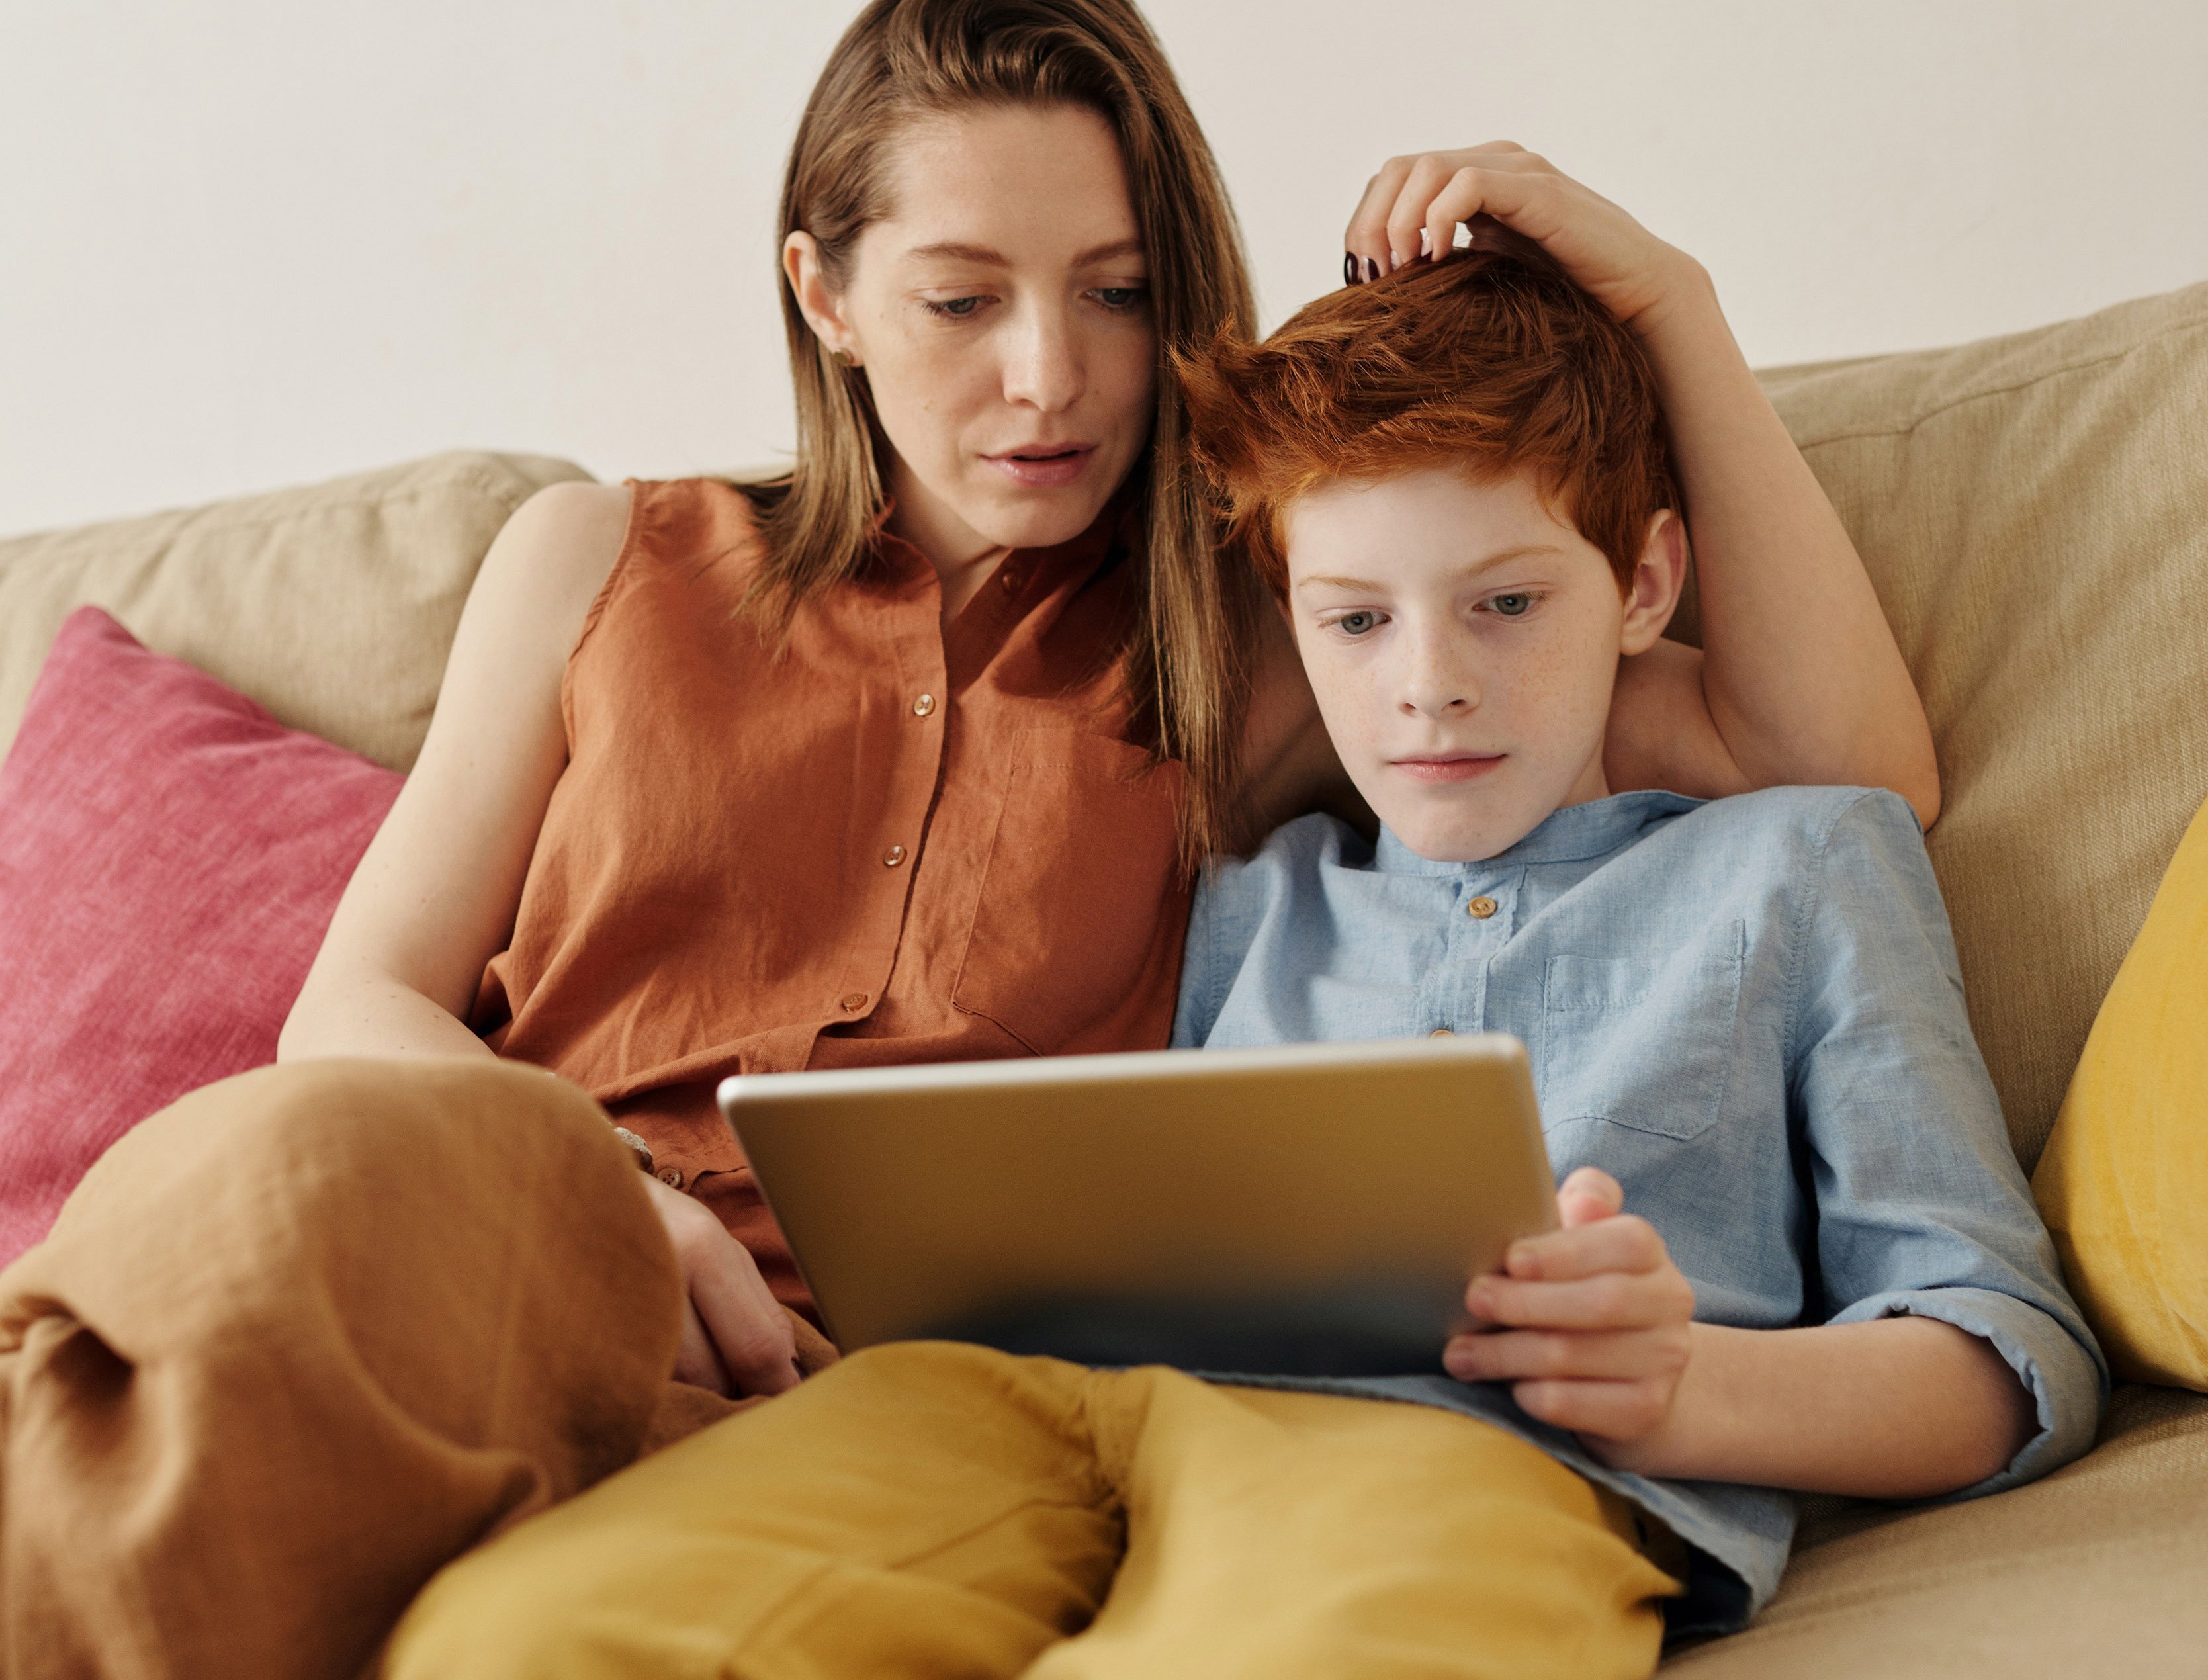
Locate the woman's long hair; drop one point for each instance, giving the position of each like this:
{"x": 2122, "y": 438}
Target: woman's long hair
{"x": 1189, "y": 667}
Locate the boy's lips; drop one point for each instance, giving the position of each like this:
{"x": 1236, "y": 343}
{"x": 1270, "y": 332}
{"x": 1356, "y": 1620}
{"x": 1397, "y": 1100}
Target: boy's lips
{"x": 1044, "y": 466}
{"x": 1444, "y": 767}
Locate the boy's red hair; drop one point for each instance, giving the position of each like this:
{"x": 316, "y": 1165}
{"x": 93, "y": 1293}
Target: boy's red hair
{"x": 1491, "y": 360}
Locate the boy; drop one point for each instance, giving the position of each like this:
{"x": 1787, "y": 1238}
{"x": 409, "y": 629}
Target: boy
{"x": 1745, "y": 1016}
{"x": 1746, "y": 1027}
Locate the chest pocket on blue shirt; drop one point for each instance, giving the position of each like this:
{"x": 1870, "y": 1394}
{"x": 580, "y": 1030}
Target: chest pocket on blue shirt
{"x": 1645, "y": 1042}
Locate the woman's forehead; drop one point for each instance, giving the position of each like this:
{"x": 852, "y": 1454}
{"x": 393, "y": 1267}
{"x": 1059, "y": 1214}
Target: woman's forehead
{"x": 1014, "y": 185}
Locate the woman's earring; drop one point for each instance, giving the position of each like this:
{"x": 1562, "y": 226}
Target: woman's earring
{"x": 841, "y": 357}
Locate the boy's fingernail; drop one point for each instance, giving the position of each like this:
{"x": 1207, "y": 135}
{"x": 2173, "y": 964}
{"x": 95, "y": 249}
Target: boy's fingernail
{"x": 1522, "y": 1261}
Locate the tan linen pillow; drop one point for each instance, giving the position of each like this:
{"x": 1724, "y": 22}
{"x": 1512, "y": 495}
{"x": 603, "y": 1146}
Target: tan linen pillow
{"x": 2034, "y": 514}
{"x": 332, "y": 604}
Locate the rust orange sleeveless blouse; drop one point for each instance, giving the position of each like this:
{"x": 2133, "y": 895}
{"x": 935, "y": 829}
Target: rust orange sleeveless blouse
{"x": 893, "y": 842}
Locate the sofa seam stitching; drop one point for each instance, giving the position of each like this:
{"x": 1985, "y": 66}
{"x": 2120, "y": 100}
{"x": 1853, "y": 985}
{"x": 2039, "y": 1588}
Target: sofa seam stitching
{"x": 2081, "y": 365}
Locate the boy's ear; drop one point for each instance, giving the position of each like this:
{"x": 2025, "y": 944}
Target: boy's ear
{"x": 821, "y": 308}
{"x": 1653, "y": 594}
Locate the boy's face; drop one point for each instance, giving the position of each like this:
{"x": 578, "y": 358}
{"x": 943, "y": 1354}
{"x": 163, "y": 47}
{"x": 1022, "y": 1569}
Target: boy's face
{"x": 1463, "y": 642}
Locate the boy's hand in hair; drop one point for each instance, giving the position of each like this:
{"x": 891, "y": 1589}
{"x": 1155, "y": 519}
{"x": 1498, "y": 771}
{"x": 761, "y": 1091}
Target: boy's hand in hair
{"x": 1590, "y": 1324}
{"x": 1414, "y": 206}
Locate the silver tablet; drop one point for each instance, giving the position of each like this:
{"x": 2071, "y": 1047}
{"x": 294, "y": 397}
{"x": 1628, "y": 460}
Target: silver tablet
{"x": 1313, "y": 1209}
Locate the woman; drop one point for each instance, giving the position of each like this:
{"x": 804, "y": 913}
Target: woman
{"x": 899, "y": 759}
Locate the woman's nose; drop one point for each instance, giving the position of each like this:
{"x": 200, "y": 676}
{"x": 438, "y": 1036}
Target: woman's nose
{"x": 1042, "y": 363}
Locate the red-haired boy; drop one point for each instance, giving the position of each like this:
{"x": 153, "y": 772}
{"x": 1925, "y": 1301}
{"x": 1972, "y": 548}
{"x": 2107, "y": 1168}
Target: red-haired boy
{"x": 1745, "y": 1015}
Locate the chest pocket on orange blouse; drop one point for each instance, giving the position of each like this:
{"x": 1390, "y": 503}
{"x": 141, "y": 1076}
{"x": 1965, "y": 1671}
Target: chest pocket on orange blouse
{"x": 1076, "y": 941}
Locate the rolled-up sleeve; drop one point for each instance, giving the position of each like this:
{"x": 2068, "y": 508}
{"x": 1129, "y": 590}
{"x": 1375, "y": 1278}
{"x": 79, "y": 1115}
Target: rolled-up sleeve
{"x": 1921, "y": 1206}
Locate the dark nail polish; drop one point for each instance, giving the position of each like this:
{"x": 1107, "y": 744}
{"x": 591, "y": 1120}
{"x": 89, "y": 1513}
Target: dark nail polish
{"x": 1348, "y": 269}
{"x": 1371, "y": 269}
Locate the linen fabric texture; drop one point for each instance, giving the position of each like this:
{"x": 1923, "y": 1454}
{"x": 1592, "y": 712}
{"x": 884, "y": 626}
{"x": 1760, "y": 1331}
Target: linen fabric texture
{"x": 2124, "y": 1180}
{"x": 928, "y": 1508}
{"x": 879, "y": 841}
{"x": 300, "y": 1339}
{"x": 1748, "y": 1011}
{"x": 332, "y": 604}
{"x": 170, "y": 858}
{"x": 2033, "y": 512}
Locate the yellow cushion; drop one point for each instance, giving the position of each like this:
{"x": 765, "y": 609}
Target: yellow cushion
{"x": 2034, "y": 514}
{"x": 332, "y": 604}
{"x": 2124, "y": 1182}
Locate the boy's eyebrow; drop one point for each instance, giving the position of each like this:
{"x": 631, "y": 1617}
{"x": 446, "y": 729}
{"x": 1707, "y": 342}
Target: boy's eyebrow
{"x": 956, "y": 250}
{"x": 1518, "y": 551}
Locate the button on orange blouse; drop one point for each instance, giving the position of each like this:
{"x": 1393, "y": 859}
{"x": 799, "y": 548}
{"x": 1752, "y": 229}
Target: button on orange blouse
{"x": 887, "y": 842}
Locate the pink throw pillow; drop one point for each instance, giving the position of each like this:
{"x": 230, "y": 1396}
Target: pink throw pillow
{"x": 170, "y": 857}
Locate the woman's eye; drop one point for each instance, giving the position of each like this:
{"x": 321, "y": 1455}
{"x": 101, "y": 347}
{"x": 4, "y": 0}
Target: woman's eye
{"x": 1118, "y": 296}
{"x": 1356, "y": 624}
{"x": 1512, "y": 605}
{"x": 956, "y": 308}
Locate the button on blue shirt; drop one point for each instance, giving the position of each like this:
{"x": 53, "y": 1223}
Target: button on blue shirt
{"x": 1750, "y": 1012}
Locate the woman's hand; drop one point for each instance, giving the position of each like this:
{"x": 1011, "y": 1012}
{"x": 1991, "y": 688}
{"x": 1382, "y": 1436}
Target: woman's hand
{"x": 1591, "y": 1325}
{"x": 736, "y": 1339}
{"x": 1413, "y": 206}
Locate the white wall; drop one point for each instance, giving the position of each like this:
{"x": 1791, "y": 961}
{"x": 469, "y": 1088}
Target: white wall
{"x": 244, "y": 243}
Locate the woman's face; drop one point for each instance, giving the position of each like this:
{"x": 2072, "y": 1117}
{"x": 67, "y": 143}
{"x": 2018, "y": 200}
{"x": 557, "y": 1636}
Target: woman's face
{"x": 1001, "y": 312}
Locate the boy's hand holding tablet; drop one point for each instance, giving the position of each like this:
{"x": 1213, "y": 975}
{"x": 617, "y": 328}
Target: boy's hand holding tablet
{"x": 1590, "y": 1324}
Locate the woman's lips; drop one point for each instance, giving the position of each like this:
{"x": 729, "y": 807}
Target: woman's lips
{"x": 1045, "y": 467}
{"x": 1450, "y": 767}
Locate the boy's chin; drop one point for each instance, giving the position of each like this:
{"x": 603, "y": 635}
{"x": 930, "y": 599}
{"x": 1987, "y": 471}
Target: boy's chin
{"x": 1441, "y": 832}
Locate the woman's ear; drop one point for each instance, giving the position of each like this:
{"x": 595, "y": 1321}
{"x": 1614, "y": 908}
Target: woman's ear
{"x": 1653, "y": 594}
{"x": 822, "y": 308}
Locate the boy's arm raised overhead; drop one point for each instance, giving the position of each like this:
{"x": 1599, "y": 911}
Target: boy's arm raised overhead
{"x": 1799, "y": 679}
{"x": 1950, "y": 1356}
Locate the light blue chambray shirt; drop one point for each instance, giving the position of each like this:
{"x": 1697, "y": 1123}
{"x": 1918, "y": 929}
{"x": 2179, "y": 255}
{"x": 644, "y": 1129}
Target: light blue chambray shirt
{"x": 1750, "y": 1012}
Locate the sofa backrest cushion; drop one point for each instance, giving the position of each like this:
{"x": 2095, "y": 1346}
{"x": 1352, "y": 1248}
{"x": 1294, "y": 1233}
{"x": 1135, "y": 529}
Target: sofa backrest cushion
{"x": 331, "y": 605}
{"x": 2034, "y": 514}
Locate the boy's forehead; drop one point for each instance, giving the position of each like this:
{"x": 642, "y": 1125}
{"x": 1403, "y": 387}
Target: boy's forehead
{"x": 1439, "y": 514}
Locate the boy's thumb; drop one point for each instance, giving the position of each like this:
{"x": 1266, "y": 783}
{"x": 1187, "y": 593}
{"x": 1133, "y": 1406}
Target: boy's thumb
{"x": 1589, "y": 1194}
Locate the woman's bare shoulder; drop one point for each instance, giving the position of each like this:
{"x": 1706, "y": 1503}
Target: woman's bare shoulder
{"x": 522, "y": 621}
{"x": 552, "y": 558}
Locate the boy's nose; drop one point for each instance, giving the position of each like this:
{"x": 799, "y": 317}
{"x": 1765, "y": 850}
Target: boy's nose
{"x": 1436, "y": 707}
{"x": 1434, "y": 690}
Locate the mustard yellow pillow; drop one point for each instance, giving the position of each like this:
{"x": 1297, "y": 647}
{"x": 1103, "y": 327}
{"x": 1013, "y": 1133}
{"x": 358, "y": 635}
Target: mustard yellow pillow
{"x": 2124, "y": 1183}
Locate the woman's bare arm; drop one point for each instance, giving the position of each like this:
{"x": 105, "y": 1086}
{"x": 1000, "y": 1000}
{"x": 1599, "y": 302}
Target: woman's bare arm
{"x": 1799, "y": 679}
{"x": 435, "y": 896}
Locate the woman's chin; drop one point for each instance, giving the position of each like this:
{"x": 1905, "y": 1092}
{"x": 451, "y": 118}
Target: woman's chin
{"x": 1037, "y": 519}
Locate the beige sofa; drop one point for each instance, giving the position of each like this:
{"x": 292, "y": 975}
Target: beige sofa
{"x": 2034, "y": 511}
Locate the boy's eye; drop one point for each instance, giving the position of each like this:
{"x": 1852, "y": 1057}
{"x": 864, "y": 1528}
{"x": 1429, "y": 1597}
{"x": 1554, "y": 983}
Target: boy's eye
{"x": 1511, "y": 605}
{"x": 1356, "y": 624}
